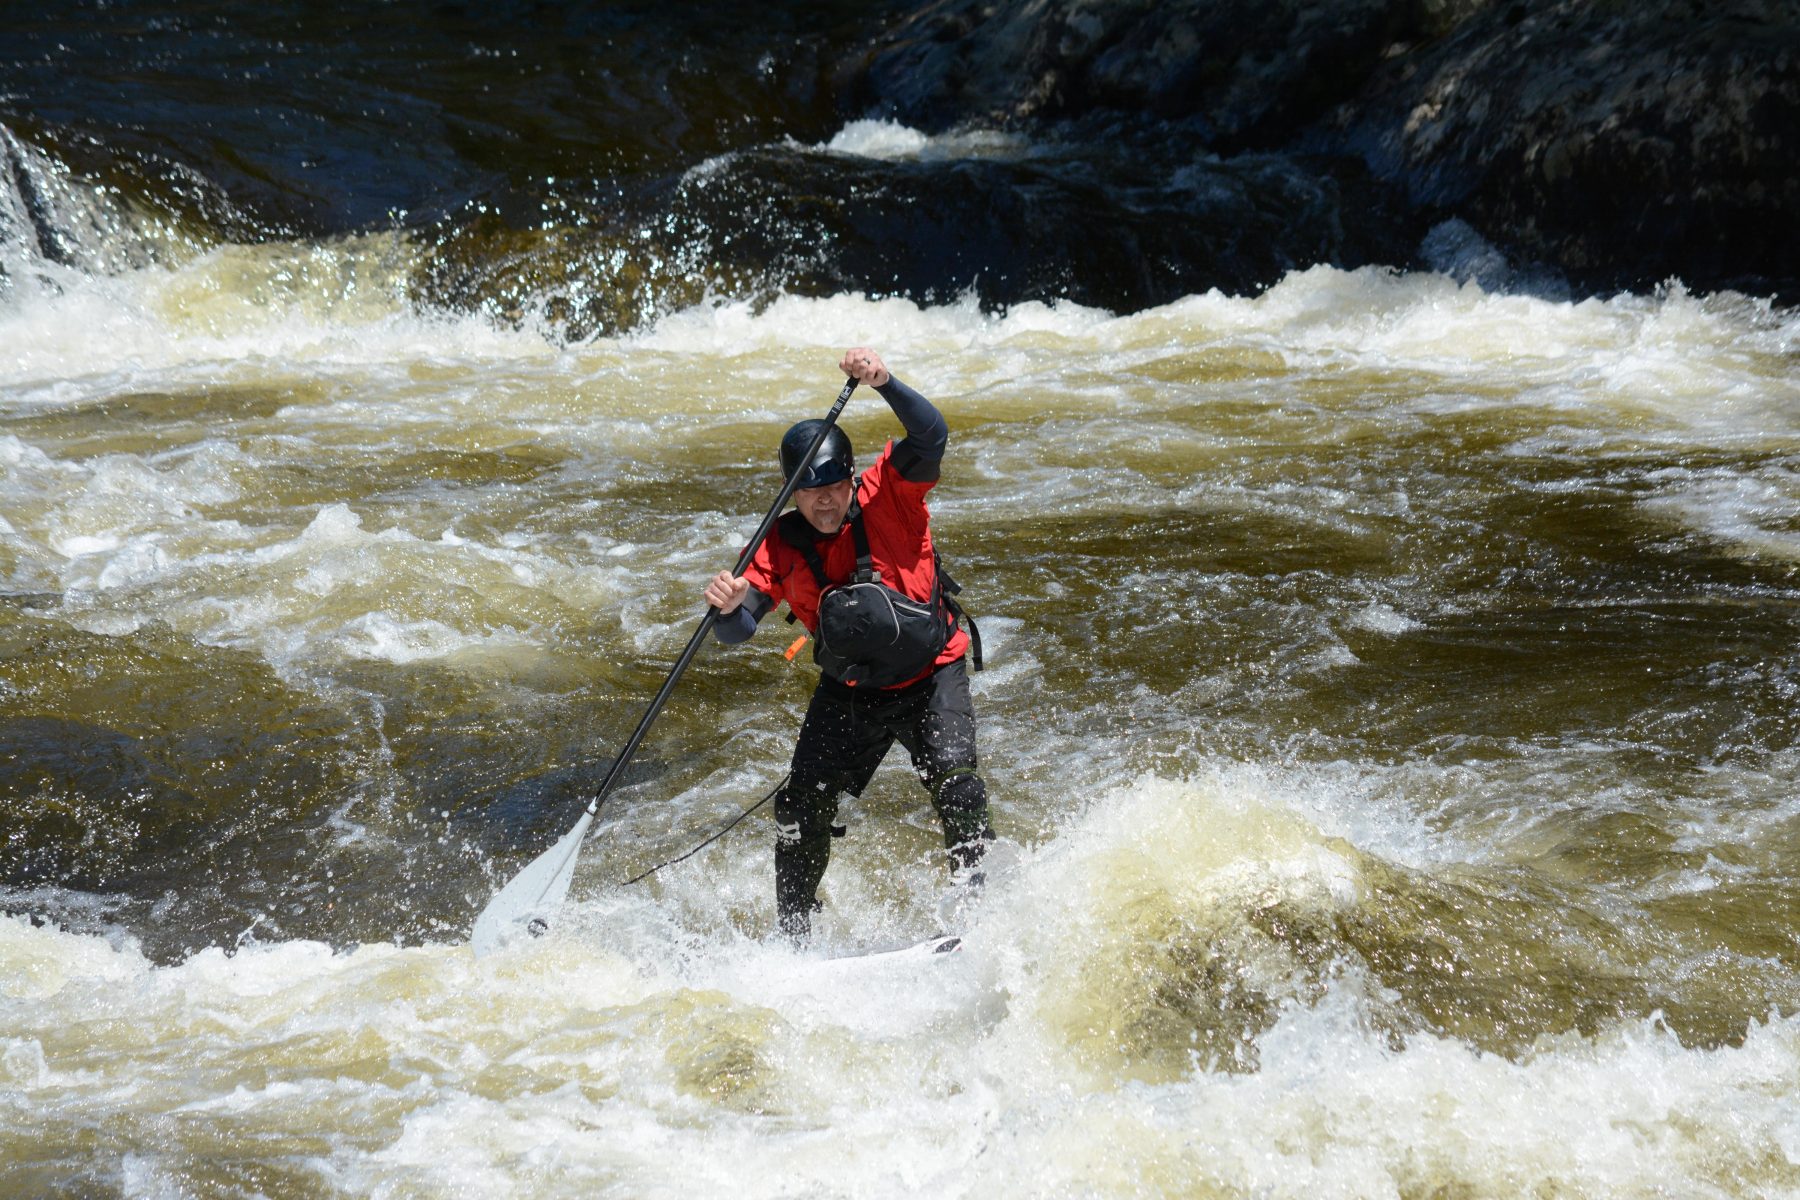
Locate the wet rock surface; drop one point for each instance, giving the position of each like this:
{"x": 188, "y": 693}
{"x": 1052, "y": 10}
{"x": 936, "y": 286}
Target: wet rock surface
{"x": 1620, "y": 144}
{"x": 1624, "y": 144}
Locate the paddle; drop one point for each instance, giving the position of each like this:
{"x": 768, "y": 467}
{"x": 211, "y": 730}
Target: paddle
{"x": 537, "y": 892}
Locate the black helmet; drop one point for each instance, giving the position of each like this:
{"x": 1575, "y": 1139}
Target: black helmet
{"x": 832, "y": 463}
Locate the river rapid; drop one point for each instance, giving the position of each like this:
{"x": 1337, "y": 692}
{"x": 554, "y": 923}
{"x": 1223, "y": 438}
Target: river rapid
{"x": 1390, "y": 717}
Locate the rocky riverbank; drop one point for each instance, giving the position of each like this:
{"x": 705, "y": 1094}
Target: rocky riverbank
{"x": 601, "y": 166}
{"x": 1621, "y": 144}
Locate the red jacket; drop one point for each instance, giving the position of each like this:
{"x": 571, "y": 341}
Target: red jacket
{"x": 899, "y": 528}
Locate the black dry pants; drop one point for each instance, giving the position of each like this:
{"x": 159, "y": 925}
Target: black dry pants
{"x": 846, "y": 734}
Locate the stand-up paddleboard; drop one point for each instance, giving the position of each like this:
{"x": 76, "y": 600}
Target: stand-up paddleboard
{"x": 882, "y": 991}
{"x": 943, "y": 944}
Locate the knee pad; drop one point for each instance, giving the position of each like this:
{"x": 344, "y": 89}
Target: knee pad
{"x": 805, "y": 815}
{"x": 962, "y": 807}
{"x": 798, "y": 870}
{"x": 962, "y": 792}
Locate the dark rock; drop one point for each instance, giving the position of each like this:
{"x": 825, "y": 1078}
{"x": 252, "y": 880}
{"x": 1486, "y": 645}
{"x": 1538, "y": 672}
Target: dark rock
{"x": 1624, "y": 143}
{"x": 1102, "y": 224}
{"x": 1620, "y": 143}
{"x": 1253, "y": 72}
{"x": 1101, "y": 219}
{"x": 600, "y": 165}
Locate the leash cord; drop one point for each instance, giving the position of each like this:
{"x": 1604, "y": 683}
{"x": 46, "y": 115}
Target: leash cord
{"x": 729, "y": 826}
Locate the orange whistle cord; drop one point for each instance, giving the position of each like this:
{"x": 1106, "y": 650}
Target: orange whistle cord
{"x": 795, "y": 648}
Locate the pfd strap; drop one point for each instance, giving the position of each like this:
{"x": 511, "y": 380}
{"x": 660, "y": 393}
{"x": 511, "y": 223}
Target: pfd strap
{"x": 865, "y": 561}
{"x": 948, "y": 589}
{"x": 797, "y": 533}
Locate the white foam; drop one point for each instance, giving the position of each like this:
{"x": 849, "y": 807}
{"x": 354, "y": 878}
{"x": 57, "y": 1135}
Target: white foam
{"x": 331, "y": 590}
{"x": 840, "y": 321}
{"x": 892, "y": 141}
{"x": 1711, "y": 365}
{"x": 629, "y": 1039}
{"x": 238, "y": 314}
{"x": 1752, "y": 513}
{"x": 1382, "y": 618}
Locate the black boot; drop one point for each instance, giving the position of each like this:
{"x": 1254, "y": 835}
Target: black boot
{"x": 965, "y": 859}
{"x": 798, "y": 868}
{"x": 962, "y": 807}
{"x": 796, "y": 925}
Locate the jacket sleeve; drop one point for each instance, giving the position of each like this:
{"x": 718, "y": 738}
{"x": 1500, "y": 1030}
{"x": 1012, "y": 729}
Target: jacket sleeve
{"x": 921, "y": 452}
{"x": 740, "y": 623}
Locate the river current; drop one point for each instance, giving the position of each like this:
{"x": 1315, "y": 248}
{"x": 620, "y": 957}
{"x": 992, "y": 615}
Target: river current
{"x": 1390, "y": 716}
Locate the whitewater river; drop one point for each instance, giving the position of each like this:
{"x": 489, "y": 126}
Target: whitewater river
{"x": 1390, "y": 711}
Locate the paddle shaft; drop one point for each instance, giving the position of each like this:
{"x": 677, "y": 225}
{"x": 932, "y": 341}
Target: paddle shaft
{"x": 712, "y": 611}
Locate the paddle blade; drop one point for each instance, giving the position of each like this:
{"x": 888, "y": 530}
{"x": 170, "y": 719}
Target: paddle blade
{"x": 531, "y": 900}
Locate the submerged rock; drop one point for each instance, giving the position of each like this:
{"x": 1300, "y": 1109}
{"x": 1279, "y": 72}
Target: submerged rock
{"x": 87, "y": 806}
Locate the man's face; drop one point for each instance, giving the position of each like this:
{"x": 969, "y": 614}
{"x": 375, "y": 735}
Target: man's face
{"x": 824, "y": 507}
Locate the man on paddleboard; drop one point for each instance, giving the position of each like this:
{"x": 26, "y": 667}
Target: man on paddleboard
{"x": 854, "y": 563}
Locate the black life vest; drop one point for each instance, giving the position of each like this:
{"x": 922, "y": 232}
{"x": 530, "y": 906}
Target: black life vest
{"x": 870, "y": 635}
